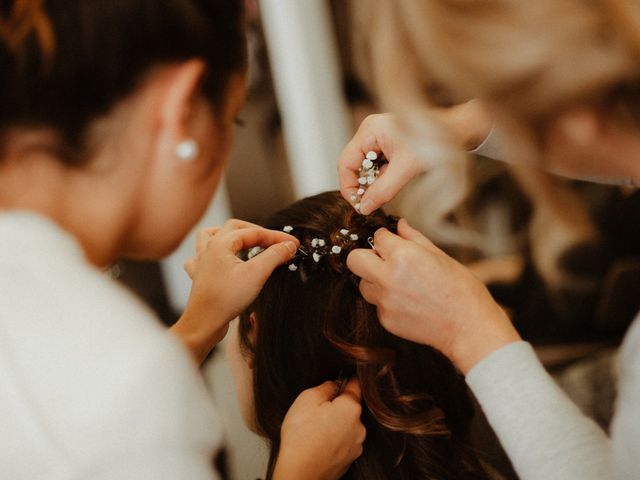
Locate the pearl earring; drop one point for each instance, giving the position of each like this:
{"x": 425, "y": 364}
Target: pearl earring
{"x": 188, "y": 150}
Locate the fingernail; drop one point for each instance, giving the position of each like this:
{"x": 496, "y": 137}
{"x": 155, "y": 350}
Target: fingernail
{"x": 366, "y": 207}
{"x": 291, "y": 247}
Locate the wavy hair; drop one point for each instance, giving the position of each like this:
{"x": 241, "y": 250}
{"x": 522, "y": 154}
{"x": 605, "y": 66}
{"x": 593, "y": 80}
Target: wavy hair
{"x": 313, "y": 325}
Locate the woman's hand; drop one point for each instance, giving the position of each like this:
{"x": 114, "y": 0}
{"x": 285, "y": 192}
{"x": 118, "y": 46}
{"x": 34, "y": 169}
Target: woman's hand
{"x": 223, "y": 284}
{"x": 322, "y": 434}
{"x": 425, "y": 296}
{"x": 379, "y": 133}
{"x": 469, "y": 123}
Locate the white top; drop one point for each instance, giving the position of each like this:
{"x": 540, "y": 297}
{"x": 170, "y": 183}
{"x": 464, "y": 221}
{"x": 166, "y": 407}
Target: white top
{"x": 91, "y": 385}
{"x": 545, "y": 434}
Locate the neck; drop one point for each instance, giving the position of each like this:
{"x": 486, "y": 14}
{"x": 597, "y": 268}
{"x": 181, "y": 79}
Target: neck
{"x": 80, "y": 202}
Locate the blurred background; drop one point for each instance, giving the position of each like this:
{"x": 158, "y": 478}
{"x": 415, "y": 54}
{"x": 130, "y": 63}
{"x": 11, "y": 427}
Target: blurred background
{"x": 562, "y": 257}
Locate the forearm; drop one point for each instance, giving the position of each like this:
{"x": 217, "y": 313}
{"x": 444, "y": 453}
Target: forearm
{"x": 197, "y": 336}
{"x": 543, "y": 432}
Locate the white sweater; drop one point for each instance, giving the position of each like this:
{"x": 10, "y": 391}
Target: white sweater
{"x": 545, "y": 434}
{"x": 91, "y": 385}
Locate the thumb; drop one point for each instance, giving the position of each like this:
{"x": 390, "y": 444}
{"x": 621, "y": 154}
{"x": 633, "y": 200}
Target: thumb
{"x": 322, "y": 393}
{"x": 264, "y": 264}
{"x": 385, "y": 188}
{"x": 409, "y": 233}
{"x": 353, "y": 390}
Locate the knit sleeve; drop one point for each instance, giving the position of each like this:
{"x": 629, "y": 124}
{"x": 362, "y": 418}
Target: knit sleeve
{"x": 545, "y": 434}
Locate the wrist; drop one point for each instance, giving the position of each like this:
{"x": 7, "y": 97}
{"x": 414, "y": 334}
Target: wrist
{"x": 470, "y": 123}
{"x": 478, "y": 339}
{"x": 290, "y": 467}
{"x": 198, "y": 336}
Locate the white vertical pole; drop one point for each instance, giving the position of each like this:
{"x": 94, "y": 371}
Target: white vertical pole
{"x": 307, "y": 76}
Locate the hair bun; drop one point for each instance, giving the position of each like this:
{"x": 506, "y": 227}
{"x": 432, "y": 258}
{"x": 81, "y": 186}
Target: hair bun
{"x": 22, "y": 18}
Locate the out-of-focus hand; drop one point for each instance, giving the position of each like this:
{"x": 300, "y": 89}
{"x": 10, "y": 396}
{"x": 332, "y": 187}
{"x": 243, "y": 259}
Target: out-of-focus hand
{"x": 425, "y": 296}
{"x": 223, "y": 284}
{"x": 322, "y": 434}
{"x": 379, "y": 133}
{"x": 469, "y": 124}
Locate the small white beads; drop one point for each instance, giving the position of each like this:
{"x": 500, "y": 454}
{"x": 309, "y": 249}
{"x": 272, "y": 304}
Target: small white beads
{"x": 293, "y": 267}
{"x": 321, "y": 242}
{"x": 316, "y": 257}
{"x": 336, "y": 249}
{"x": 344, "y": 231}
{"x": 367, "y": 175}
{"x": 287, "y": 229}
{"x": 314, "y": 243}
{"x": 254, "y": 251}
{"x": 353, "y": 237}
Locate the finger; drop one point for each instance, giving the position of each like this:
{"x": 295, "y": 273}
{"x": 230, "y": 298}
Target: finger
{"x": 190, "y": 266}
{"x": 235, "y": 224}
{"x": 322, "y": 393}
{"x": 386, "y": 187}
{"x": 369, "y": 291}
{"x": 407, "y": 232}
{"x": 264, "y": 264}
{"x": 366, "y": 264}
{"x": 386, "y": 242}
{"x": 348, "y": 182}
{"x": 203, "y": 236}
{"x": 351, "y": 158}
{"x": 352, "y": 390}
{"x": 245, "y": 238}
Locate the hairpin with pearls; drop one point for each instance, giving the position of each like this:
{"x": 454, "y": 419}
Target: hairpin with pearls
{"x": 367, "y": 174}
{"x": 320, "y": 248}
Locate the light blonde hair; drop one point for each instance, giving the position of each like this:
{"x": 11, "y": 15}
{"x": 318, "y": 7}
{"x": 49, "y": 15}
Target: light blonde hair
{"x": 527, "y": 59}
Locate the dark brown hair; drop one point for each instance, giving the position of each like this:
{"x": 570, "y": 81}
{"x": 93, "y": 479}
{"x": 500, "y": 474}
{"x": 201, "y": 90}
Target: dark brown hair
{"x": 313, "y": 325}
{"x": 64, "y": 63}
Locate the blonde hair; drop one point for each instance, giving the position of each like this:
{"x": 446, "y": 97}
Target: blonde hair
{"x": 530, "y": 57}
{"x": 527, "y": 60}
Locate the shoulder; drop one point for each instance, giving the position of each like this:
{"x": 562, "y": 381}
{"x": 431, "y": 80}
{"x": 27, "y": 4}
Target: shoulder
{"x": 91, "y": 364}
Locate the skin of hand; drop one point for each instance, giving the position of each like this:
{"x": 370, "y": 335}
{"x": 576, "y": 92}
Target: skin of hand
{"x": 425, "y": 296}
{"x": 223, "y": 284}
{"x": 469, "y": 122}
{"x": 322, "y": 434}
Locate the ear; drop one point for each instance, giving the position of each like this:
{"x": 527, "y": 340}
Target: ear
{"x": 180, "y": 90}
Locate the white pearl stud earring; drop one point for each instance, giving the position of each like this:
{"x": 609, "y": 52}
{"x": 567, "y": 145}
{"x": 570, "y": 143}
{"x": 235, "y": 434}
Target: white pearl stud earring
{"x": 188, "y": 150}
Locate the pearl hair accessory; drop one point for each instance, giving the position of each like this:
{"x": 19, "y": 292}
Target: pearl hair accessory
{"x": 188, "y": 150}
{"x": 319, "y": 247}
{"x": 367, "y": 175}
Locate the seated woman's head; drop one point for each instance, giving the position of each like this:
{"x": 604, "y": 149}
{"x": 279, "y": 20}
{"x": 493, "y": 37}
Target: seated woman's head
{"x": 311, "y": 324}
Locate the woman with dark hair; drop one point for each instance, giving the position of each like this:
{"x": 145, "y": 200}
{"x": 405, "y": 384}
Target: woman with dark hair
{"x": 310, "y": 324}
{"x": 116, "y": 118}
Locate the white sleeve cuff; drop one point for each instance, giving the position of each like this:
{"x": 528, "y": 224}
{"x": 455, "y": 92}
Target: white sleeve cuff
{"x": 492, "y": 146}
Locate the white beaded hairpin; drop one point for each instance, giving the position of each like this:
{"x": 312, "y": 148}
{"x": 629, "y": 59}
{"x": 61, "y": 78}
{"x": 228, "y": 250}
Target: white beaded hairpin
{"x": 319, "y": 247}
{"x": 367, "y": 175}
